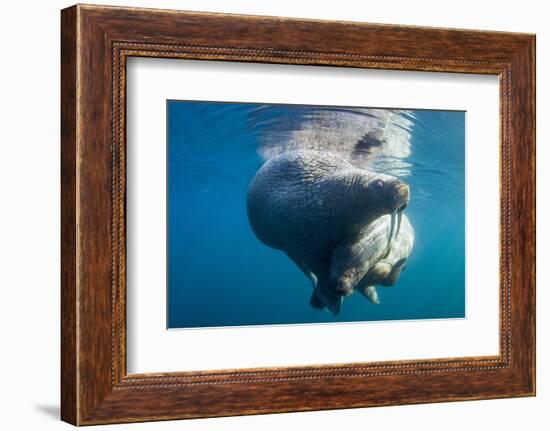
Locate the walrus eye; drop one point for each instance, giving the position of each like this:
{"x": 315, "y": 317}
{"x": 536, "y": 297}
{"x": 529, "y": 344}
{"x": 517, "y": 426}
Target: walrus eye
{"x": 379, "y": 183}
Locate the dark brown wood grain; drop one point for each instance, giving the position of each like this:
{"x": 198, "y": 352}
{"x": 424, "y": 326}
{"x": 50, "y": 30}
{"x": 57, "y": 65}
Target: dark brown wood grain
{"x": 68, "y": 217}
{"x": 96, "y": 41}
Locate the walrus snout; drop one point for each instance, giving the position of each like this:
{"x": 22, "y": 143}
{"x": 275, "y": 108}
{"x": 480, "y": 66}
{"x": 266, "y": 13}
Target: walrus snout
{"x": 400, "y": 196}
{"x": 344, "y": 286}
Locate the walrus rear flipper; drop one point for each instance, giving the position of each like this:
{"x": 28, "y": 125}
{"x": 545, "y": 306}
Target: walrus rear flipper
{"x": 321, "y": 299}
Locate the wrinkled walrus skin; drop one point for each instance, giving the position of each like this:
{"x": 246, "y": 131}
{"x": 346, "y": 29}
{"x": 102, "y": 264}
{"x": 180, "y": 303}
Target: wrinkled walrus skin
{"x": 374, "y": 255}
{"x": 306, "y": 203}
{"x": 388, "y": 262}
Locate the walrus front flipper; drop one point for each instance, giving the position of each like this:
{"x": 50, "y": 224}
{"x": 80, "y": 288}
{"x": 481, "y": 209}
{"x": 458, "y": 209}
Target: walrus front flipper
{"x": 304, "y": 269}
{"x": 384, "y": 273}
{"x": 371, "y": 294}
{"x": 321, "y": 299}
{"x": 395, "y": 272}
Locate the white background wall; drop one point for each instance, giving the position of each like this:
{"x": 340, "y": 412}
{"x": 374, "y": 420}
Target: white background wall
{"x": 29, "y": 214}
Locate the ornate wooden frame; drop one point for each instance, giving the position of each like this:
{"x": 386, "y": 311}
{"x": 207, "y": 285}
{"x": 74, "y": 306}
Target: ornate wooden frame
{"x": 95, "y": 43}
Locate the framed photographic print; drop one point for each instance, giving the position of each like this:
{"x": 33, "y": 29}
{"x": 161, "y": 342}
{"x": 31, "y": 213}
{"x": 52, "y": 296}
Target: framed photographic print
{"x": 259, "y": 216}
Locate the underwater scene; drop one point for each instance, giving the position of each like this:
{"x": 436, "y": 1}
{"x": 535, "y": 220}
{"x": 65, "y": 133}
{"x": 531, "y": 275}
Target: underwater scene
{"x": 301, "y": 214}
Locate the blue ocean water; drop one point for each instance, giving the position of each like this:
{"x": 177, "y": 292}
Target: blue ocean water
{"x": 220, "y": 274}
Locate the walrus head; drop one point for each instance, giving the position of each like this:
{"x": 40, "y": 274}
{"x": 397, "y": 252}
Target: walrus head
{"x": 387, "y": 193}
{"x": 390, "y": 196}
{"x": 375, "y": 195}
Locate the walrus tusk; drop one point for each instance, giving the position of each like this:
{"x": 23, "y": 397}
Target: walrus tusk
{"x": 338, "y": 305}
{"x": 334, "y": 304}
{"x": 399, "y": 218}
{"x": 392, "y": 229}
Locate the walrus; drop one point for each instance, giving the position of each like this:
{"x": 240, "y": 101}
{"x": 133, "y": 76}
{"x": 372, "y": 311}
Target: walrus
{"x": 307, "y": 203}
{"x": 375, "y": 255}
